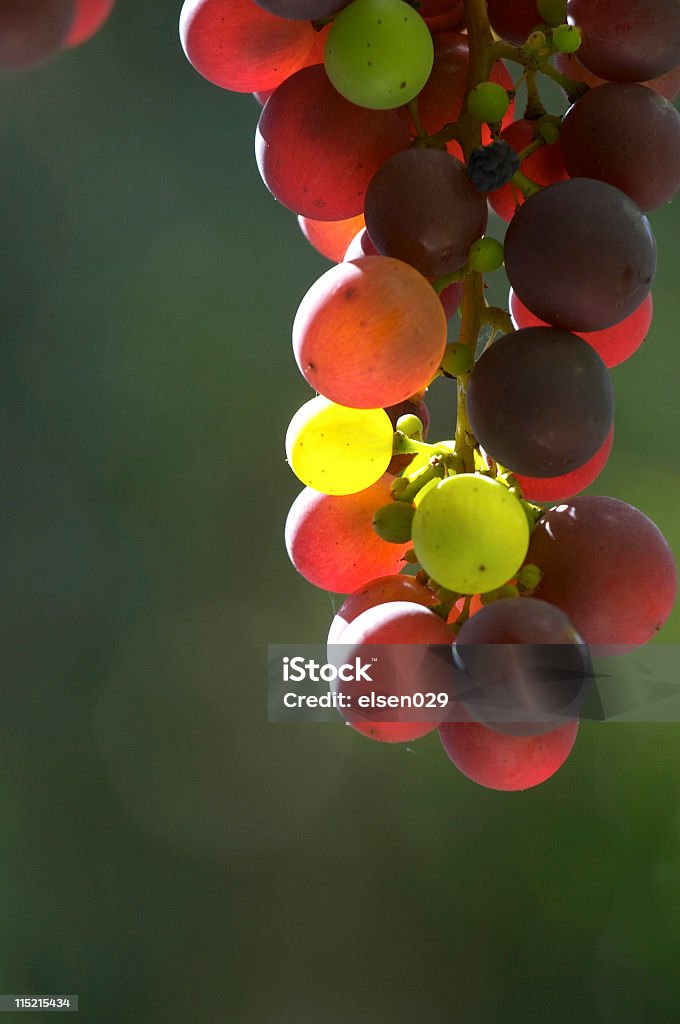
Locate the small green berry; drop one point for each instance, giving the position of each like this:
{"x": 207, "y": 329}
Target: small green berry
{"x": 529, "y": 577}
{"x": 567, "y": 38}
{"x": 393, "y": 522}
{"x": 536, "y": 41}
{"x": 553, "y": 12}
{"x": 486, "y": 254}
{"x": 458, "y": 359}
{"x": 549, "y": 132}
{"x": 411, "y": 426}
{"x": 488, "y": 102}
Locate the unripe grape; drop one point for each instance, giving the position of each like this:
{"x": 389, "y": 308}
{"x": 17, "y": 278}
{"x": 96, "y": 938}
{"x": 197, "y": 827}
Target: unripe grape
{"x": 379, "y": 53}
{"x": 410, "y": 425}
{"x": 488, "y": 102}
{"x": 567, "y": 38}
{"x": 486, "y": 254}
{"x": 553, "y": 12}
{"x": 393, "y": 522}
{"x": 458, "y": 359}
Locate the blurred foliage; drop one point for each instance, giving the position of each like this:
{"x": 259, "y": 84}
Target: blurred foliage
{"x": 164, "y": 852}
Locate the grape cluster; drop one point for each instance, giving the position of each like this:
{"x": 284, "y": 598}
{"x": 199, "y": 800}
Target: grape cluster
{"x": 389, "y": 128}
{"x": 32, "y": 31}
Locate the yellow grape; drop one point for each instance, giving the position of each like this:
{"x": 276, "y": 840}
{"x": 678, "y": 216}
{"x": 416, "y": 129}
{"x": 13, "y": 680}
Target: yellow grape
{"x": 337, "y": 450}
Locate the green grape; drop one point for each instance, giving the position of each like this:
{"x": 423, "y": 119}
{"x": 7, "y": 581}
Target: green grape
{"x": 529, "y": 577}
{"x": 567, "y": 38}
{"x": 553, "y": 12}
{"x": 488, "y": 102}
{"x": 379, "y": 53}
{"x": 470, "y": 534}
{"x": 549, "y": 132}
{"x": 458, "y": 359}
{"x": 410, "y": 425}
{"x": 425, "y": 489}
{"x": 486, "y": 254}
{"x": 393, "y": 522}
{"x": 337, "y": 450}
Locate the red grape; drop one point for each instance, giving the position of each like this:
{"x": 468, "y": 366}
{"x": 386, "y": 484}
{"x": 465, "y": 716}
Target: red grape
{"x": 88, "y": 18}
{"x": 31, "y": 31}
{"x": 361, "y": 245}
{"x": 544, "y": 166}
{"x": 555, "y": 488}
{"x": 383, "y": 590}
{"x": 514, "y": 20}
{"x": 369, "y": 333}
{"x": 607, "y": 566}
{"x": 580, "y": 255}
{"x": 505, "y": 762}
{"x": 317, "y": 152}
{"x": 331, "y": 237}
{"x": 386, "y": 631}
{"x": 331, "y": 540}
{"x": 238, "y": 46}
{"x": 628, "y": 42}
{"x": 613, "y": 344}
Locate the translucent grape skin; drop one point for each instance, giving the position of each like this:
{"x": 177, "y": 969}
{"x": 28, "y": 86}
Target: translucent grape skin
{"x": 331, "y": 541}
{"x": 88, "y": 18}
{"x": 370, "y": 332}
{"x": 557, "y": 488}
{"x": 667, "y": 85}
{"x": 361, "y": 245}
{"x": 422, "y": 208}
{"x": 379, "y": 53}
{"x": 399, "y": 672}
{"x": 545, "y": 166}
{"x": 32, "y": 31}
{"x": 441, "y": 99}
{"x": 628, "y": 42}
{"x": 540, "y": 401}
{"x": 507, "y": 763}
{"x": 302, "y": 10}
{"x": 331, "y": 237}
{"x": 515, "y": 20}
{"x": 498, "y": 652}
{"x": 608, "y": 567}
{"x": 628, "y": 136}
{"x": 383, "y": 590}
{"x": 470, "y": 534}
{"x": 316, "y": 152}
{"x": 236, "y": 45}
{"x": 337, "y": 450}
{"x": 613, "y": 344}
{"x": 580, "y": 255}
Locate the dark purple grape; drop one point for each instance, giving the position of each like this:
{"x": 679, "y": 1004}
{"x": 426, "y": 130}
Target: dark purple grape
{"x": 31, "y": 31}
{"x": 422, "y": 208}
{"x": 540, "y": 401}
{"x": 524, "y": 670}
{"x": 580, "y": 255}
{"x": 628, "y": 136}
{"x": 607, "y": 566}
{"x": 628, "y": 41}
{"x": 302, "y": 10}
{"x": 514, "y": 19}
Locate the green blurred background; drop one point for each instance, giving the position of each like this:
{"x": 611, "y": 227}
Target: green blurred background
{"x": 164, "y": 852}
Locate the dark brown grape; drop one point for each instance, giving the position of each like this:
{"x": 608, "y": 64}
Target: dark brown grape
{"x": 628, "y": 136}
{"x": 628, "y": 42}
{"x": 607, "y": 566}
{"x": 31, "y": 31}
{"x": 580, "y": 255}
{"x": 524, "y": 670}
{"x": 540, "y": 401}
{"x": 422, "y": 208}
{"x": 302, "y": 10}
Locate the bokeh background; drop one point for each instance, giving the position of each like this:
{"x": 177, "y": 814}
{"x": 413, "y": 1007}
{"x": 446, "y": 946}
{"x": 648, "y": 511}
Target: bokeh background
{"x": 164, "y": 852}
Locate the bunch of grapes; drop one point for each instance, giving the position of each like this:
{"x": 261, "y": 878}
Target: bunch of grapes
{"x": 389, "y": 128}
{"x": 32, "y": 31}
